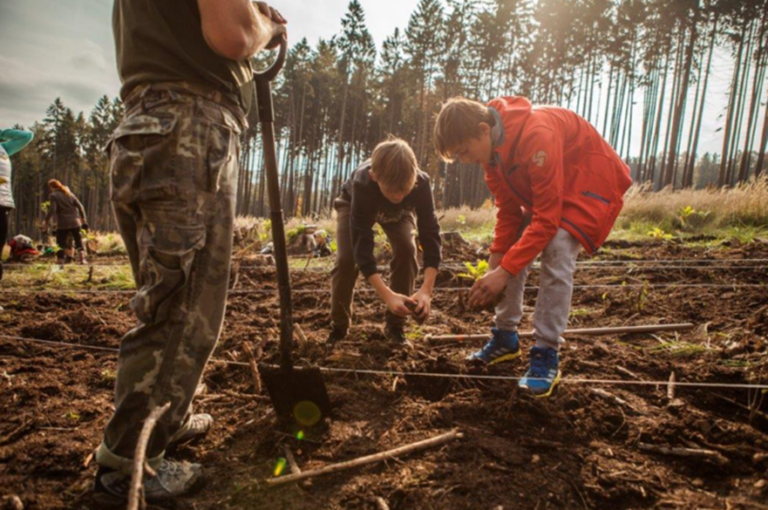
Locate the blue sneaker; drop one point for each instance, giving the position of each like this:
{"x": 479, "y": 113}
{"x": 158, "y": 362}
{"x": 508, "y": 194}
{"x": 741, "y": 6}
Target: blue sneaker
{"x": 503, "y": 346}
{"x": 543, "y": 375}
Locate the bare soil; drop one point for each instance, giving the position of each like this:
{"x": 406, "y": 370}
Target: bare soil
{"x": 577, "y": 449}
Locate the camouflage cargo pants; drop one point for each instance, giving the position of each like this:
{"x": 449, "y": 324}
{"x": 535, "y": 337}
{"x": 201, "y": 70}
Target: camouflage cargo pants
{"x": 174, "y": 164}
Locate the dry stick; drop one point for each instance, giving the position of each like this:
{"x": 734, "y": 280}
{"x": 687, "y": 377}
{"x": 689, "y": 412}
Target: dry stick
{"x": 710, "y": 455}
{"x": 141, "y": 452}
{"x": 300, "y": 332}
{"x": 671, "y": 387}
{"x": 254, "y": 367}
{"x": 378, "y": 457}
{"x": 628, "y": 373}
{"x": 295, "y": 469}
{"x": 617, "y": 400}
{"x": 381, "y": 503}
{"x": 620, "y": 330}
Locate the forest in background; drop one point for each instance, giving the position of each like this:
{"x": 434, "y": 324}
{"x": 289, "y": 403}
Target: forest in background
{"x": 636, "y": 69}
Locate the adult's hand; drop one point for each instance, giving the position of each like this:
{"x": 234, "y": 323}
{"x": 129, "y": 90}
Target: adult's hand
{"x": 276, "y": 23}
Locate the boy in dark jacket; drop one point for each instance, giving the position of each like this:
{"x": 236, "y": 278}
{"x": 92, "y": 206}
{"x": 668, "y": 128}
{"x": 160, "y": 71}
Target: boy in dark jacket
{"x": 390, "y": 190}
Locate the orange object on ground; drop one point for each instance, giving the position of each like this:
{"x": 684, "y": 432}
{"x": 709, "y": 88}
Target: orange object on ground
{"x": 553, "y": 165}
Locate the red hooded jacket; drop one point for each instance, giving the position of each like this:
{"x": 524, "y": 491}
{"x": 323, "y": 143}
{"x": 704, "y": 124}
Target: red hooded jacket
{"x": 553, "y": 165}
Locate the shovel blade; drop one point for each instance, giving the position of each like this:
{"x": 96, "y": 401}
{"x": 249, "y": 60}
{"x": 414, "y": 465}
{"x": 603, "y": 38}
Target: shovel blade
{"x": 298, "y": 395}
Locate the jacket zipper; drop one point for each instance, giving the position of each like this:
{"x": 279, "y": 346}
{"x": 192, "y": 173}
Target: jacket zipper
{"x": 581, "y": 232}
{"x": 595, "y": 196}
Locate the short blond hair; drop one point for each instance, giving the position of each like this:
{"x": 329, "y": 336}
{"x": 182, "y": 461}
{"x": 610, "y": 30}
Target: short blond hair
{"x": 458, "y": 121}
{"x": 394, "y": 165}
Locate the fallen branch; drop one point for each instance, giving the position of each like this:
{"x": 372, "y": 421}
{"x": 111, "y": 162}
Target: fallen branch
{"x": 254, "y": 367}
{"x": 628, "y": 373}
{"x": 616, "y": 400}
{"x": 696, "y": 453}
{"x": 295, "y": 469}
{"x": 671, "y": 387}
{"x": 381, "y": 503}
{"x": 300, "y": 333}
{"x": 134, "y": 494}
{"x": 370, "y": 459}
{"x": 619, "y": 330}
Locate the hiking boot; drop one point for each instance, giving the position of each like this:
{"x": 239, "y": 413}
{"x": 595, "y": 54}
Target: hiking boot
{"x": 173, "y": 478}
{"x": 197, "y": 425}
{"x": 396, "y": 335}
{"x": 503, "y": 346}
{"x": 336, "y": 335}
{"x": 543, "y": 375}
{"x": 81, "y": 255}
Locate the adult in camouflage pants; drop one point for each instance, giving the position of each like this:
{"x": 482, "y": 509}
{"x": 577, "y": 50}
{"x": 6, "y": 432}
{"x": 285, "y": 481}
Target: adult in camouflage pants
{"x": 174, "y": 162}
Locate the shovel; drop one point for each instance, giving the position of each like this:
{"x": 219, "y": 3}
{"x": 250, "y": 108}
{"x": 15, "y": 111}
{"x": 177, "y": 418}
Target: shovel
{"x": 297, "y": 394}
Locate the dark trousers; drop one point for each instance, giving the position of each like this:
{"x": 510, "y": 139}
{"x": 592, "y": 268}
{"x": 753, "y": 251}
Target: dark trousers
{"x": 4, "y": 214}
{"x": 62, "y": 237}
{"x": 404, "y": 265}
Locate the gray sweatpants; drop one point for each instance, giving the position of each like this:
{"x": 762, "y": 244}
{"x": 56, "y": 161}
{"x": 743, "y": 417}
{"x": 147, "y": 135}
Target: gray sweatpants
{"x": 553, "y": 303}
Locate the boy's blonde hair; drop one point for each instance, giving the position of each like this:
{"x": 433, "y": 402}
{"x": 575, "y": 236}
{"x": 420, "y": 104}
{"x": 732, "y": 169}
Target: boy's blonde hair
{"x": 457, "y": 122}
{"x": 394, "y": 164}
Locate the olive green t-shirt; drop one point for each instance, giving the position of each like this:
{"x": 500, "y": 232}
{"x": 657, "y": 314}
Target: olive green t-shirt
{"x": 162, "y": 41}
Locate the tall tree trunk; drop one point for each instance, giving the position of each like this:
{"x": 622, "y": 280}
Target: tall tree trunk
{"x": 723, "y": 177}
{"x": 694, "y": 149}
{"x": 763, "y": 143}
{"x": 678, "y": 115}
{"x": 757, "y": 86}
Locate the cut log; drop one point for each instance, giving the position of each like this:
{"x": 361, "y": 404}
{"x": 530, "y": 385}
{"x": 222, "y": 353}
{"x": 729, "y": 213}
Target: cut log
{"x": 370, "y": 459}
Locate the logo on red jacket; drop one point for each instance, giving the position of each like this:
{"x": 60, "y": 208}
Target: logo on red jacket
{"x": 539, "y": 158}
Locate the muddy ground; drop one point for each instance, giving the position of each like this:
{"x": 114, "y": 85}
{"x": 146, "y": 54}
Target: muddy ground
{"x": 578, "y": 449}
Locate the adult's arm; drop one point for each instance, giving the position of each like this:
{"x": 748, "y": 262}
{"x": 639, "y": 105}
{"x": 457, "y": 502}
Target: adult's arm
{"x": 81, "y": 209}
{"x": 13, "y": 140}
{"x": 238, "y": 29}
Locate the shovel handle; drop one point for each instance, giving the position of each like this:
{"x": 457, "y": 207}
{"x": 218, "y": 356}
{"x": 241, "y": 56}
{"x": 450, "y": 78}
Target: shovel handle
{"x": 273, "y": 70}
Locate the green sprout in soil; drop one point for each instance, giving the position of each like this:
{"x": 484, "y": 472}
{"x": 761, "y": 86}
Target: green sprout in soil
{"x": 658, "y": 233}
{"x": 475, "y": 272}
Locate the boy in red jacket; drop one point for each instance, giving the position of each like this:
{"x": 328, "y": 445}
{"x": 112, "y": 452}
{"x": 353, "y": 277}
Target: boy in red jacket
{"x": 550, "y": 166}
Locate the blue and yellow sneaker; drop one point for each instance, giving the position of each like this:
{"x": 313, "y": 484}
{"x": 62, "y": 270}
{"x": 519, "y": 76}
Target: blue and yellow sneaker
{"x": 503, "y": 346}
{"x": 543, "y": 375}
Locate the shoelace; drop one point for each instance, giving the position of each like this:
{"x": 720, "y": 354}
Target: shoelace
{"x": 539, "y": 368}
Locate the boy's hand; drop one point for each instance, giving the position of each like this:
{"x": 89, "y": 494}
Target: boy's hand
{"x": 488, "y": 287}
{"x": 423, "y": 308}
{"x": 398, "y": 304}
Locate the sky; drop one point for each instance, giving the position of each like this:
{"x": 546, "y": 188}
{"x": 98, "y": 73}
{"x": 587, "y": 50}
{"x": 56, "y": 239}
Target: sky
{"x": 56, "y": 48}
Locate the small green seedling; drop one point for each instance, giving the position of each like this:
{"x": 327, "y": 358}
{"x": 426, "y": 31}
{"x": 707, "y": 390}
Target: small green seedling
{"x": 475, "y": 272}
{"x": 658, "y": 233}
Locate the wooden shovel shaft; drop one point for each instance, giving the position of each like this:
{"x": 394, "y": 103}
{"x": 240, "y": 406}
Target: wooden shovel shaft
{"x": 619, "y": 330}
{"x": 266, "y": 117}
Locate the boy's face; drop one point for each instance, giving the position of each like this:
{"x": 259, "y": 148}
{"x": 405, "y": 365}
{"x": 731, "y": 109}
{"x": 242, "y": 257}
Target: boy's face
{"x": 475, "y": 150}
{"x": 393, "y": 195}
